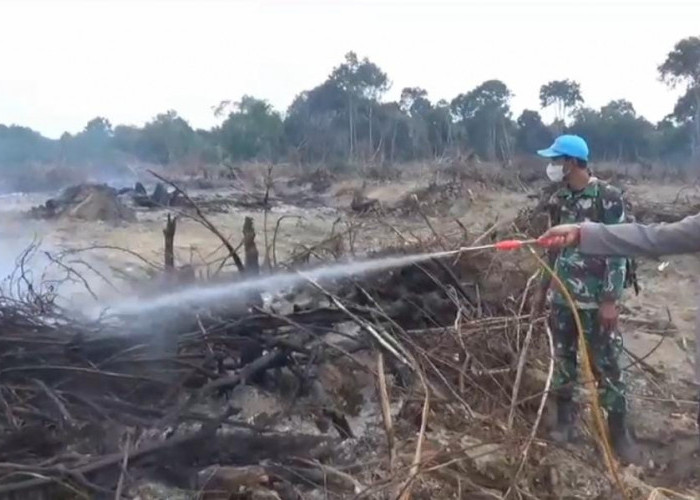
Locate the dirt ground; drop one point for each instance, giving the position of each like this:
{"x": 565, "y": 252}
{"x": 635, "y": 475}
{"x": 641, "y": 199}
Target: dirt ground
{"x": 657, "y": 325}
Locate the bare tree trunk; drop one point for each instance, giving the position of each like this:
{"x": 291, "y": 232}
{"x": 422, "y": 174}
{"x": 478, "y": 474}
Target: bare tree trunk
{"x": 450, "y": 133}
{"x": 562, "y": 111}
{"x": 696, "y": 145}
{"x": 371, "y": 142}
{"x": 351, "y": 128}
{"x": 379, "y": 151}
{"x": 266, "y": 207}
{"x": 252, "y": 266}
{"x": 169, "y": 250}
{"x": 506, "y": 147}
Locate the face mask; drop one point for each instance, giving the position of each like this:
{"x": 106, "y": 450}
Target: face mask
{"x": 555, "y": 172}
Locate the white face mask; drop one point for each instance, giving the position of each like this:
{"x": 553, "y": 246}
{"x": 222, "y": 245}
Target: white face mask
{"x": 555, "y": 172}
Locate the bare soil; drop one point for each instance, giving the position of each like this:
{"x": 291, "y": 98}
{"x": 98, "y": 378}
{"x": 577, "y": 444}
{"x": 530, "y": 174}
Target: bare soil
{"x": 658, "y": 325}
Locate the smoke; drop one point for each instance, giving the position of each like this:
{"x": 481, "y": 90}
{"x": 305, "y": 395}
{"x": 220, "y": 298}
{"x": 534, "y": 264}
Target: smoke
{"x": 28, "y": 261}
{"x": 21, "y": 266}
{"x": 52, "y": 178}
{"x": 218, "y": 294}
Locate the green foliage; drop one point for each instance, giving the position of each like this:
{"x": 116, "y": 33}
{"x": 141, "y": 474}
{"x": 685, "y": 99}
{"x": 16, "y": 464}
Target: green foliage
{"x": 92, "y": 146}
{"x": 360, "y": 79}
{"x": 686, "y": 107}
{"x": 253, "y": 129}
{"x": 564, "y": 94}
{"x": 344, "y": 120}
{"x": 682, "y": 66}
{"x": 615, "y": 132}
{"x": 315, "y": 126}
{"x": 22, "y": 146}
{"x": 673, "y": 143}
{"x": 532, "y": 132}
{"x": 363, "y": 83}
{"x": 167, "y": 139}
{"x": 484, "y": 116}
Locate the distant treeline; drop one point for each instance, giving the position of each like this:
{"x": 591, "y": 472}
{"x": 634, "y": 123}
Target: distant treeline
{"x": 344, "y": 120}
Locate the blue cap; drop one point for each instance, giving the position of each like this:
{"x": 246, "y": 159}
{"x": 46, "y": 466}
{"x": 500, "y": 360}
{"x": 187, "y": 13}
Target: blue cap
{"x": 566, "y": 145}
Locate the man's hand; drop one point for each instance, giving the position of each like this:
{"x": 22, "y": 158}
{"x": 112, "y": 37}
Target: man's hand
{"x": 608, "y": 315}
{"x": 565, "y": 235}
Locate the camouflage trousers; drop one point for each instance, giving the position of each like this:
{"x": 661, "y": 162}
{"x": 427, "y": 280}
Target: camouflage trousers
{"x": 605, "y": 348}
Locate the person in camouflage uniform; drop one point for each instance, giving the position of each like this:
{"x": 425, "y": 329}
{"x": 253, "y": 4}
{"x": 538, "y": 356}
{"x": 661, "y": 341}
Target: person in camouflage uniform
{"x": 595, "y": 283}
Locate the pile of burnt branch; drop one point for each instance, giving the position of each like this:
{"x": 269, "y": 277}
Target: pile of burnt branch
{"x": 649, "y": 212}
{"x": 90, "y": 409}
{"x": 241, "y": 195}
{"x": 426, "y": 381}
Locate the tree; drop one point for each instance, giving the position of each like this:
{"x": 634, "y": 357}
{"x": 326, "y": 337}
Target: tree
{"x": 414, "y": 101}
{"x": 615, "y": 132}
{"x": 619, "y": 108}
{"x": 629, "y": 135}
{"x": 315, "y": 123}
{"x": 22, "y": 146}
{"x": 395, "y": 134}
{"x": 563, "y": 94}
{"x": 484, "y": 114}
{"x": 686, "y": 108}
{"x": 440, "y": 130}
{"x": 253, "y": 129}
{"x": 92, "y": 145}
{"x": 672, "y": 143}
{"x": 532, "y": 133}
{"x": 415, "y": 105}
{"x": 167, "y": 139}
{"x": 99, "y": 127}
{"x": 682, "y": 67}
{"x": 361, "y": 81}
{"x": 345, "y": 118}
{"x": 129, "y": 139}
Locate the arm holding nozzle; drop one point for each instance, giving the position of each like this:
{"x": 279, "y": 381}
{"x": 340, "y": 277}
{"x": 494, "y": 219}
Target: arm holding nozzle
{"x": 631, "y": 240}
{"x": 652, "y": 240}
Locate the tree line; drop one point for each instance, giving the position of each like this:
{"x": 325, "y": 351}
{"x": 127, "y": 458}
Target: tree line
{"x": 345, "y": 120}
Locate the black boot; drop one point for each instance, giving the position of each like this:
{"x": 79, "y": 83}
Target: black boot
{"x": 622, "y": 443}
{"x": 564, "y": 430}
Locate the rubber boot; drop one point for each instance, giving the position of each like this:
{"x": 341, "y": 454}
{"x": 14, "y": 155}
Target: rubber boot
{"x": 622, "y": 443}
{"x": 564, "y": 430}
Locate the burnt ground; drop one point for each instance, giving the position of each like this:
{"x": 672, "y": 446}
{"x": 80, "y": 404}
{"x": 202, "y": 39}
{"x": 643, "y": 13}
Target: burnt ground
{"x": 290, "y": 402}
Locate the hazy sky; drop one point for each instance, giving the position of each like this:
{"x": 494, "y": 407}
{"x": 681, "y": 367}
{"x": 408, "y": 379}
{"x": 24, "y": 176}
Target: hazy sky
{"x": 65, "y": 62}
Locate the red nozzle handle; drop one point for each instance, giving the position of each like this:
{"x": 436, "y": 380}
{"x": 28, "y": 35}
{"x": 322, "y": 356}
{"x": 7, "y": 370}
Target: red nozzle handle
{"x": 506, "y": 245}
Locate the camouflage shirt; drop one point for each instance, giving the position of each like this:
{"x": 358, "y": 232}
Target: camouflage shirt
{"x": 590, "y": 280}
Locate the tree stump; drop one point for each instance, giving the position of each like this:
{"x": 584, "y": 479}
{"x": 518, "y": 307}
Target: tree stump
{"x": 169, "y": 250}
{"x": 252, "y": 266}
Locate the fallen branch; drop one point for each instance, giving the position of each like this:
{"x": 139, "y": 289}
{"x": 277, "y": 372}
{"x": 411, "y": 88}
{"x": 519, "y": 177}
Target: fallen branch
{"x": 205, "y": 222}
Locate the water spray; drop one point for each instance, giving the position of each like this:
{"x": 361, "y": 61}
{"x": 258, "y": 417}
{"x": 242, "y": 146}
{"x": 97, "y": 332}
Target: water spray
{"x": 211, "y": 294}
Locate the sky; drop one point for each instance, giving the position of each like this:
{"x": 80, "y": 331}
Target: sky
{"x": 64, "y": 62}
